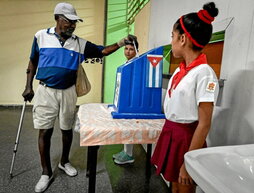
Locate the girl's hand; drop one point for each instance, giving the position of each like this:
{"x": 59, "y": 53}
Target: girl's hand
{"x": 184, "y": 178}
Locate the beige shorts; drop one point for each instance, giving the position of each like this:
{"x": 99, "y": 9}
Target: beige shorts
{"x": 50, "y": 103}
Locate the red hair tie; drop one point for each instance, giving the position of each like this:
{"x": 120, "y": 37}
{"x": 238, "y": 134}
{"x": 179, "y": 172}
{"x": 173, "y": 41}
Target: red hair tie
{"x": 188, "y": 34}
{"x": 205, "y": 16}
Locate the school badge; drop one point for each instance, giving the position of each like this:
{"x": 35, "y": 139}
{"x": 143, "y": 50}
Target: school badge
{"x": 211, "y": 86}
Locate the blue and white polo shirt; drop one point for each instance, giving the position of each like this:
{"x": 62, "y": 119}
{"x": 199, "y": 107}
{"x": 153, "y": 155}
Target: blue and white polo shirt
{"x": 58, "y": 64}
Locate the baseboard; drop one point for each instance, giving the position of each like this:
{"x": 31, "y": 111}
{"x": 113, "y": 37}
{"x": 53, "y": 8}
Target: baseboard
{"x": 13, "y": 107}
{"x": 9, "y": 106}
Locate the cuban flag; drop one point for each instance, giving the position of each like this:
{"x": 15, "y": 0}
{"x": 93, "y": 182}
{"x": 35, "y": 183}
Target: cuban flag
{"x": 154, "y": 71}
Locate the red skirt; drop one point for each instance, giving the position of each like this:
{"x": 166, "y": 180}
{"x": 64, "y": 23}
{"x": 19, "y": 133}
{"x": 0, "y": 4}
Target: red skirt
{"x": 173, "y": 143}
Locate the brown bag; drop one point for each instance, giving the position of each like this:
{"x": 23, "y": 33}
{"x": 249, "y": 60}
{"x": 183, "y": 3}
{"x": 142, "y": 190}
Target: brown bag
{"x": 83, "y": 85}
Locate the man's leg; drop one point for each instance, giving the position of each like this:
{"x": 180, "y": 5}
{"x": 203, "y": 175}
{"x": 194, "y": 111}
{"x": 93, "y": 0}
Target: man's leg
{"x": 66, "y": 120}
{"x": 44, "y": 148}
{"x": 45, "y": 111}
{"x": 44, "y": 142}
{"x": 67, "y": 136}
{"x": 64, "y": 163}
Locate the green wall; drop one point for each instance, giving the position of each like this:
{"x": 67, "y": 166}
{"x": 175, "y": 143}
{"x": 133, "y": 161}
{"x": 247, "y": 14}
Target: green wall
{"x": 116, "y": 29}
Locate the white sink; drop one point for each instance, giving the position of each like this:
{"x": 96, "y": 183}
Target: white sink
{"x": 225, "y": 169}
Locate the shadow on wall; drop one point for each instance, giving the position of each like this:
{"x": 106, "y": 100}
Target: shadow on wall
{"x": 234, "y": 125}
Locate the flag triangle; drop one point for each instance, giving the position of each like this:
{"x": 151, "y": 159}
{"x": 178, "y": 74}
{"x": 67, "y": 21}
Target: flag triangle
{"x": 154, "y": 59}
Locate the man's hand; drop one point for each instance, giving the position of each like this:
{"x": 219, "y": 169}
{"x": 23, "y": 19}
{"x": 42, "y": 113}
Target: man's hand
{"x": 28, "y": 94}
{"x": 129, "y": 38}
{"x": 112, "y": 48}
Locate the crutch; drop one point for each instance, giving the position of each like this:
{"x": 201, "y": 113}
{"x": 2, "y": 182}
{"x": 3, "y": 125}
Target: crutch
{"x": 17, "y": 137}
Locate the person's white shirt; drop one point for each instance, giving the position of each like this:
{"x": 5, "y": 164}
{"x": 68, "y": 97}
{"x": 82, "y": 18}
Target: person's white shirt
{"x": 199, "y": 85}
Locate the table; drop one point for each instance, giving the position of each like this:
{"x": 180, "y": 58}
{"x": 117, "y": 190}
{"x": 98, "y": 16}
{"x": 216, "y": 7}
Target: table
{"x": 97, "y": 127}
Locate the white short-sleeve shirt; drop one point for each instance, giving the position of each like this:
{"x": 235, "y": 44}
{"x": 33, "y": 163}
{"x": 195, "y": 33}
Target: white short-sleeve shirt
{"x": 199, "y": 85}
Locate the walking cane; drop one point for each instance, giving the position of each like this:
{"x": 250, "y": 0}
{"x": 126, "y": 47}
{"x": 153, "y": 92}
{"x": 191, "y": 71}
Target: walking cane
{"x": 17, "y": 137}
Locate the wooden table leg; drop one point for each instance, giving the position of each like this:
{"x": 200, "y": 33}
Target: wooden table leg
{"x": 91, "y": 167}
{"x": 88, "y": 161}
{"x": 148, "y": 161}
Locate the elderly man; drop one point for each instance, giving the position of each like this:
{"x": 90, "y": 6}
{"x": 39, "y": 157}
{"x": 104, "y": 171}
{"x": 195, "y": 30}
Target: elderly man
{"x": 55, "y": 56}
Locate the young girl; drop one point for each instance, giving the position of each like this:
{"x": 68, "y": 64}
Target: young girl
{"x": 191, "y": 94}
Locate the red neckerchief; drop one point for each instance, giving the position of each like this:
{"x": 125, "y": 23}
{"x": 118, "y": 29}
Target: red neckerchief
{"x": 201, "y": 59}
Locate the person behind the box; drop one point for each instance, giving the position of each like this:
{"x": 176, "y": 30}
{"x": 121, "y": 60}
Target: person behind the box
{"x": 126, "y": 155}
{"x": 55, "y": 55}
{"x": 191, "y": 94}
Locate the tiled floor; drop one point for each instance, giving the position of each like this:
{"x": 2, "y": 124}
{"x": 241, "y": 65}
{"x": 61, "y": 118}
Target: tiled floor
{"x": 111, "y": 178}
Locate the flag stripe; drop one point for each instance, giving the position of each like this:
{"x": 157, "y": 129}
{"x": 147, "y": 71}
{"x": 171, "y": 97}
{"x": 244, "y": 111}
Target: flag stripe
{"x": 154, "y": 72}
{"x": 150, "y": 84}
{"x": 157, "y": 76}
{"x": 154, "y": 77}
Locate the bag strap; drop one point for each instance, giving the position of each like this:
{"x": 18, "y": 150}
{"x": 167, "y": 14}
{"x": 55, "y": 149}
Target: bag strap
{"x": 79, "y": 57}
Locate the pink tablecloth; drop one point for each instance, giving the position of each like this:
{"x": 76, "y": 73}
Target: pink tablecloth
{"x": 97, "y": 127}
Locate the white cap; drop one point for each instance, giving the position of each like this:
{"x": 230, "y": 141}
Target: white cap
{"x": 67, "y": 10}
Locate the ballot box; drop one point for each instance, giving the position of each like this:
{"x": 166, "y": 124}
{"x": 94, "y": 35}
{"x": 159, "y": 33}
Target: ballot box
{"x": 138, "y": 87}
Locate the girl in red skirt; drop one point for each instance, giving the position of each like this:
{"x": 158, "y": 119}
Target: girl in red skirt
{"x": 191, "y": 94}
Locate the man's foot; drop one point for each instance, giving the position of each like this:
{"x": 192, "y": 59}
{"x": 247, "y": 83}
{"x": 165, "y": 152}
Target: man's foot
{"x": 68, "y": 169}
{"x": 124, "y": 158}
{"x": 117, "y": 155}
{"x": 43, "y": 183}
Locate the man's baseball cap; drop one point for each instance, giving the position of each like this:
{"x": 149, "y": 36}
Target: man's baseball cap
{"x": 67, "y": 10}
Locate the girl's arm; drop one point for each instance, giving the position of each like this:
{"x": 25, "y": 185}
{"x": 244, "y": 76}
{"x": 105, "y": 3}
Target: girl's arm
{"x": 205, "y": 111}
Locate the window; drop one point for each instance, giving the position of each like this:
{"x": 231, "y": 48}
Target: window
{"x": 133, "y": 8}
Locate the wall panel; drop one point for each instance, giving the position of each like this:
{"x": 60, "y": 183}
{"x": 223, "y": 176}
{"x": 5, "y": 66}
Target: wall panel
{"x": 20, "y": 20}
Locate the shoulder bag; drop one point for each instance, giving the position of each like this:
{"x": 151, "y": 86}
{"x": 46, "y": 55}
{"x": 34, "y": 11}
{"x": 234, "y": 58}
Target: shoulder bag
{"x": 83, "y": 85}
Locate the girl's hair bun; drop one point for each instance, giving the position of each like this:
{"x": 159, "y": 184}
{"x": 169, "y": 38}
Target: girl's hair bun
{"x": 211, "y": 9}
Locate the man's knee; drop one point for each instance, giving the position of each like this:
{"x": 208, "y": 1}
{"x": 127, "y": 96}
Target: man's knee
{"x": 45, "y": 133}
{"x": 66, "y": 132}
